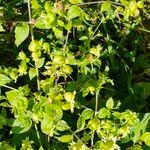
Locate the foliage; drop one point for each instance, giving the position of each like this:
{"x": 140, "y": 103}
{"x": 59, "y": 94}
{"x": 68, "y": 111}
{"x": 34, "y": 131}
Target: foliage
{"x": 75, "y": 75}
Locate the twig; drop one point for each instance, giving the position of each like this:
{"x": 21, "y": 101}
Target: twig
{"x": 6, "y": 86}
{"x": 96, "y": 103}
{"x": 32, "y": 38}
{"x": 17, "y": 21}
{"x": 97, "y": 28}
{"x": 65, "y": 45}
{"x": 98, "y": 2}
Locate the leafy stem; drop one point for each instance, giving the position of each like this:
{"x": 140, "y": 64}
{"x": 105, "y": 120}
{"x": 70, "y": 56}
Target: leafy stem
{"x": 32, "y": 38}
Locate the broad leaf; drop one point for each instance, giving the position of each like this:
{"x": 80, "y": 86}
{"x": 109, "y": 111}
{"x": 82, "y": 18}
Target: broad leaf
{"x": 73, "y": 12}
{"x": 80, "y": 123}
{"x": 146, "y": 138}
{"x": 87, "y": 114}
{"x": 62, "y": 125}
{"x": 110, "y": 103}
{"x": 65, "y": 138}
{"x": 21, "y": 124}
{"x": 4, "y": 79}
{"x": 32, "y": 73}
{"x": 12, "y": 97}
{"x": 21, "y": 33}
{"x": 47, "y": 125}
{"x": 103, "y": 113}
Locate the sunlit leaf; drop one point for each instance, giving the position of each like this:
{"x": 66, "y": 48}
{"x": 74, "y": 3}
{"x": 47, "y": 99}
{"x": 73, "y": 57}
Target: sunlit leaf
{"x": 65, "y": 138}
{"x": 73, "y": 12}
{"x": 21, "y": 33}
{"x": 87, "y": 114}
{"x": 110, "y": 103}
{"x": 4, "y": 79}
{"x": 32, "y": 73}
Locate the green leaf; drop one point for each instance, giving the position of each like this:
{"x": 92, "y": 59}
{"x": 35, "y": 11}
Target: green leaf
{"x": 32, "y": 73}
{"x": 45, "y": 21}
{"x": 73, "y": 12}
{"x": 146, "y": 138}
{"x": 41, "y": 62}
{"x": 58, "y": 33}
{"x": 93, "y": 124}
{"x": 103, "y": 113}
{"x": 1, "y": 28}
{"x": 47, "y": 125}
{"x": 12, "y": 97}
{"x": 83, "y": 38}
{"x": 80, "y": 123}
{"x": 140, "y": 127}
{"x": 110, "y": 103}
{"x": 69, "y": 96}
{"x": 65, "y": 138}
{"x": 21, "y": 33}
{"x": 87, "y": 114}
{"x": 75, "y": 1}
{"x": 21, "y": 124}
{"x": 4, "y": 79}
{"x": 62, "y": 125}
{"x": 106, "y": 5}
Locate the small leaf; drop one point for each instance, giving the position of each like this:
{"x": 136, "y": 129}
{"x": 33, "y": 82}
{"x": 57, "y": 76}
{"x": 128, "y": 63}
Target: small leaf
{"x": 1, "y": 28}
{"x": 4, "y": 79}
{"x": 21, "y": 124}
{"x": 146, "y": 138}
{"x": 73, "y": 12}
{"x": 58, "y": 33}
{"x": 41, "y": 62}
{"x": 45, "y": 21}
{"x": 62, "y": 125}
{"x": 12, "y": 96}
{"x": 93, "y": 124}
{"x": 83, "y": 38}
{"x": 32, "y": 73}
{"x": 105, "y": 6}
{"x": 103, "y": 113}
{"x": 80, "y": 123}
{"x": 47, "y": 125}
{"x": 21, "y": 33}
{"x": 87, "y": 114}
{"x": 65, "y": 138}
{"x": 69, "y": 96}
{"x": 110, "y": 103}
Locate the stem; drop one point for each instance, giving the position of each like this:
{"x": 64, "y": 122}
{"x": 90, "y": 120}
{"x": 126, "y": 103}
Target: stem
{"x": 38, "y": 135}
{"x": 6, "y": 86}
{"x": 92, "y": 140}
{"x": 64, "y": 48}
{"x": 32, "y": 38}
{"x": 48, "y": 145}
{"x": 144, "y": 30}
{"x": 99, "y": 2}
{"x": 96, "y": 29}
{"x": 96, "y": 103}
{"x": 30, "y": 20}
{"x": 17, "y": 21}
{"x": 74, "y": 134}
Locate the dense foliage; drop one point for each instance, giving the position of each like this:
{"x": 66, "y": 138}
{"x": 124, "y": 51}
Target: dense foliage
{"x": 74, "y": 74}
